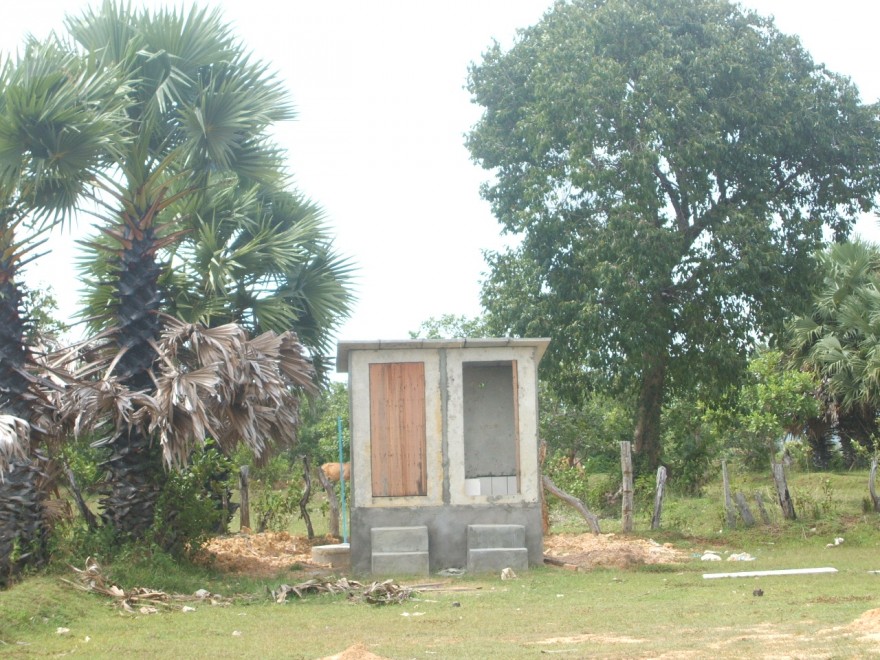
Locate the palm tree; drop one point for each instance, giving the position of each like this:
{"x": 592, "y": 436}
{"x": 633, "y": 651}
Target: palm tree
{"x": 840, "y": 342}
{"x": 58, "y": 120}
{"x": 261, "y": 258}
{"x": 199, "y": 108}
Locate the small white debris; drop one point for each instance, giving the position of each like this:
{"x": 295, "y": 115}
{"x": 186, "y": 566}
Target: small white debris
{"x": 187, "y": 608}
{"x": 412, "y": 614}
{"x": 236, "y": 633}
{"x": 710, "y": 556}
{"x": 837, "y": 541}
{"x": 148, "y": 610}
{"x": 508, "y": 574}
{"x": 202, "y": 594}
{"x": 62, "y": 631}
{"x": 741, "y": 556}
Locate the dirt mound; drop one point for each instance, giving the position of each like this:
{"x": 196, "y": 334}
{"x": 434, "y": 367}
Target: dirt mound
{"x": 869, "y": 622}
{"x": 594, "y": 550}
{"x": 356, "y": 652}
{"x": 268, "y": 553}
{"x": 263, "y": 554}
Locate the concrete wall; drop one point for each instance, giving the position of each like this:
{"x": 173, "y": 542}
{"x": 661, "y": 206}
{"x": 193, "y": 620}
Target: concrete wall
{"x": 454, "y": 501}
{"x": 490, "y": 437}
{"x": 447, "y": 531}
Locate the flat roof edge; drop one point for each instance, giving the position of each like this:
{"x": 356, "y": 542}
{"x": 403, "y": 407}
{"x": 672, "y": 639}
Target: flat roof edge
{"x": 343, "y": 348}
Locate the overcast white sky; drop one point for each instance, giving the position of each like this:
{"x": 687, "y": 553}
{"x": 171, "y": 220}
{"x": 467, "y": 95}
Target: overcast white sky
{"x": 382, "y": 111}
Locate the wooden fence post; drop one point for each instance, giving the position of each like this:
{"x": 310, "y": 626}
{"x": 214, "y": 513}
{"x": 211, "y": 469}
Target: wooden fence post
{"x": 744, "y": 511}
{"x": 759, "y": 499}
{"x": 658, "y": 497}
{"x": 728, "y": 503}
{"x": 627, "y": 488}
{"x": 871, "y": 480}
{"x": 244, "y": 511}
{"x": 782, "y": 490}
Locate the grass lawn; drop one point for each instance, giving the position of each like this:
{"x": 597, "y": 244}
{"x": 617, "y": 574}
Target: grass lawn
{"x": 666, "y": 610}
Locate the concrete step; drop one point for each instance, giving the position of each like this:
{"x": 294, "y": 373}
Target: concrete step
{"x": 481, "y": 537}
{"x": 400, "y": 563}
{"x": 399, "y": 539}
{"x": 484, "y": 560}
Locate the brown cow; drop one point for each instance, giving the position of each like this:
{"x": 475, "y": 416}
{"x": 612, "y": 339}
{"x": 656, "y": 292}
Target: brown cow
{"x": 331, "y": 471}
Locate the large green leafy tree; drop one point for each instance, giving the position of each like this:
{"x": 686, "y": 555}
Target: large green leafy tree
{"x": 58, "y": 118}
{"x": 670, "y": 166}
{"x": 200, "y": 109}
{"x": 839, "y": 342}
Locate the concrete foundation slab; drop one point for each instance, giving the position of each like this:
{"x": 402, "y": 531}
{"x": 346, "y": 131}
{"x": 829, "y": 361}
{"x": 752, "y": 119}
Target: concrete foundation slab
{"x": 483, "y": 560}
{"x": 399, "y": 563}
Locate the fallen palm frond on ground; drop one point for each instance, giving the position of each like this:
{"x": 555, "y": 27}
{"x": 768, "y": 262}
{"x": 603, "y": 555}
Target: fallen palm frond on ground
{"x": 137, "y": 599}
{"x": 375, "y": 593}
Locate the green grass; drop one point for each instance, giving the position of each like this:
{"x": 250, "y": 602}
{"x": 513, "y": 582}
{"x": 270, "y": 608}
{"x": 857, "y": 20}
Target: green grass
{"x": 641, "y": 612}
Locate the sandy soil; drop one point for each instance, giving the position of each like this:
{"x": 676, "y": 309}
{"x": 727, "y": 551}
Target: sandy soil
{"x": 269, "y": 553}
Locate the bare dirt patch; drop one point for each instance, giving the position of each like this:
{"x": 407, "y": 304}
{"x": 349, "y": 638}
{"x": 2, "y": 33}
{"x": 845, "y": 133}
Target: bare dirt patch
{"x": 268, "y": 553}
{"x": 609, "y": 550}
{"x": 263, "y": 555}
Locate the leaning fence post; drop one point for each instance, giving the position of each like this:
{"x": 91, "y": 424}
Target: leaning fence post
{"x": 627, "y": 488}
{"x": 728, "y": 503}
{"x": 245, "y": 509}
{"x": 782, "y": 491}
{"x": 658, "y": 497}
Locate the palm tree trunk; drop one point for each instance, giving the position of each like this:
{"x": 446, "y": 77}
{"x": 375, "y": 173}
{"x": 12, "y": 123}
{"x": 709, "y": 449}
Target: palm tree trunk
{"x": 22, "y": 531}
{"x": 135, "y": 471}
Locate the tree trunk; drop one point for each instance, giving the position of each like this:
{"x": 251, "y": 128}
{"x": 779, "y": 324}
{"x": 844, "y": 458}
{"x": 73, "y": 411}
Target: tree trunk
{"x": 571, "y": 500}
{"x": 22, "y": 527}
{"x": 333, "y": 502}
{"x": 306, "y": 495}
{"x": 646, "y": 437}
{"x": 135, "y": 473}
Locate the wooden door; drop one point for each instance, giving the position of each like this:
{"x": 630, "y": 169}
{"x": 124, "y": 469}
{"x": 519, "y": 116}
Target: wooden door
{"x": 397, "y": 429}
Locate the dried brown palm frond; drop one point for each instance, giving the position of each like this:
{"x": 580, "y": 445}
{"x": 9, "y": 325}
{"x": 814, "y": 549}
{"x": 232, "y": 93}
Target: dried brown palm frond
{"x": 208, "y": 382}
{"x": 15, "y": 435}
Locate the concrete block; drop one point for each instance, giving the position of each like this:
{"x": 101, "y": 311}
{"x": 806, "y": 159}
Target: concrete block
{"x": 496, "y": 536}
{"x": 485, "y": 485}
{"x": 499, "y": 485}
{"x": 483, "y": 560}
{"x": 338, "y": 556}
{"x": 399, "y": 539}
{"x": 512, "y": 488}
{"x": 400, "y": 563}
{"x": 471, "y": 487}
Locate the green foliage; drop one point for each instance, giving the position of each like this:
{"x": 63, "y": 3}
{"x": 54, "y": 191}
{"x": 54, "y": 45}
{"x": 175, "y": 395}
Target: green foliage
{"x": 319, "y": 435}
{"x": 451, "y": 326}
{"x": 838, "y": 342}
{"x": 194, "y": 503}
{"x": 661, "y": 226}
{"x": 691, "y": 443}
{"x": 773, "y": 403}
{"x": 83, "y": 460}
{"x": 588, "y": 433}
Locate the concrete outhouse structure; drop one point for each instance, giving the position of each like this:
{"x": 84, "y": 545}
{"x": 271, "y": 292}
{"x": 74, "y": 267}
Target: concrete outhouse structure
{"x": 444, "y": 454}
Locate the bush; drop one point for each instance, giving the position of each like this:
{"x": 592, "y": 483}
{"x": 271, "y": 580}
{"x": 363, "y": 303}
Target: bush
{"x": 194, "y": 504}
